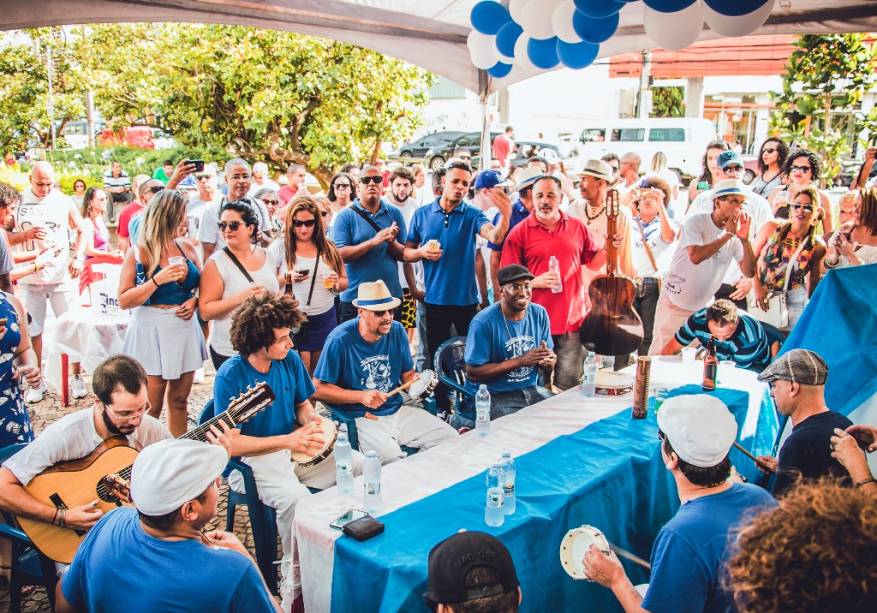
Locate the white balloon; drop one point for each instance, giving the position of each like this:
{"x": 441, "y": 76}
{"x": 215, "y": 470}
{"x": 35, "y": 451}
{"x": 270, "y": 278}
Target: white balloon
{"x": 561, "y": 22}
{"x": 737, "y": 26}
{"x": 482, "y": 49}
{"x": 522, "y": 59}
{"x": 674, "y": 30}
{"x": 515, "y": 9}
{"x": 536, "y": 18}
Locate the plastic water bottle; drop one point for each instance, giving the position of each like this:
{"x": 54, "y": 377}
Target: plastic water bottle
{"x": 508, "y": 483}
{"x": 554, "y": 266}
{"x": 343, "y": 464}
{"x": 494, "y": 514}
{"x": 589, "y": 375}
{"x": 482, "y": 411}
{"x": 371, "y": 473}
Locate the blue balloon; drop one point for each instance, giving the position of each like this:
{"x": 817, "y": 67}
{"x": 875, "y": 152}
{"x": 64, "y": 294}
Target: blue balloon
{"x": 594, "y": 30}
{"x": 735, "y": 8}
{"x": 507, "y": 37}
{"x": 577, "y": 55}
{"x": 488, "y": 17}
{"x": 670, "y": 6}
{"x": 599, "y": 8}
{"x": 543, "y": 52}
{"x": 499, "y": 70}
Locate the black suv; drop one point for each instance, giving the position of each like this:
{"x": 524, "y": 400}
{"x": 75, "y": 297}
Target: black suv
{"x": 437, "y": 156}
{"x": 418, "y": 148}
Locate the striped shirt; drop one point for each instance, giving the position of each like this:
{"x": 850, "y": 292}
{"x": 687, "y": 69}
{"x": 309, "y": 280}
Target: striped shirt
{"x": 748, "y": 346}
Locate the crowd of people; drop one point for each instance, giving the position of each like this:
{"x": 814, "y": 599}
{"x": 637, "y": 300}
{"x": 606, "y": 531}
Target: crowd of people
{"x": 335, "y": 300}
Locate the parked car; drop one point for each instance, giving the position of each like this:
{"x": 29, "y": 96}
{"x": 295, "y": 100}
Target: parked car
{"x": 750, "y": 168}
{"x": 133, "y": 136}
{"x": 436, "y": 157}
{"x": 416, "y": 150}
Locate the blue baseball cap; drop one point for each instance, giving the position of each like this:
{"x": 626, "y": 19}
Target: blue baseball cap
{"x": 726, "y": 158}
{"x": 487, "y": 179}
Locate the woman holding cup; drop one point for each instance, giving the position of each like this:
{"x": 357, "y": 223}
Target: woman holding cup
{"x": 159, "y": 280}
{"x": 314, "y": 283}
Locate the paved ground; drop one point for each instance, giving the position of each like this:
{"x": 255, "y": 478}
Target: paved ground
{"x": 50, "y": 409}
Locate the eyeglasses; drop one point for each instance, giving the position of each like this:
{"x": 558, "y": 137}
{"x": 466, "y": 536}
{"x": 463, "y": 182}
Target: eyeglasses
{"x": 242, "y": 177}
{"x": 513, "y": 288}
{"x": 128, "y": 416}
{"x": 733, "y": 168}
{"x": 267, "y": 202}
{"x": 371, "y": 179}
{"x": 801, "y": 168}
{"x": 231, "y": 225}
{"x": 307, "y": 223}
{"x": 768, "y": 150}
{"x": 734, "y": 201}
{"x": 342, "y": 186}
{"x": 203, "y": 177}
{"x": 808, "y": 208}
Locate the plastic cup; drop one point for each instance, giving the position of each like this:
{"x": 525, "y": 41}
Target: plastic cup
{"x": 328, "y": 282}
{"x": 660, "y": 394}
{"x": 433, "y": 245}
{"x": 688, "y": 354}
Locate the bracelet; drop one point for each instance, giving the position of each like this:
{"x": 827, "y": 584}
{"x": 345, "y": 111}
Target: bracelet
{"x": 866, "y": 481}
{"x": 62, "y": 519}
{"x": 55, "y": 517}
{"x": 154, "y": 281}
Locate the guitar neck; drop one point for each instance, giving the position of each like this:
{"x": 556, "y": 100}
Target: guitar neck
{"x": 611, "y": 251}
{"x": 200, "y": 433}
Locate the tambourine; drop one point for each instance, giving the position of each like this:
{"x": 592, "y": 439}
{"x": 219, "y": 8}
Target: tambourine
{"x": 328, "y": 436}
{"x": 575, "y": 545}
{"x": 419, "y": 386}
{"x": 609, "y": 383}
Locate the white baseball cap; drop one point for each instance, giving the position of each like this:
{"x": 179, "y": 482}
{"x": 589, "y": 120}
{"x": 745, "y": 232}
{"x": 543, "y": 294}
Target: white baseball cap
{"x": 700, "y": 428}
{"x": 170, "y": 473}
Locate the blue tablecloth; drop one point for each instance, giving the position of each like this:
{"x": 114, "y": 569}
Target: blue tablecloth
{"x": 609, "y": 474}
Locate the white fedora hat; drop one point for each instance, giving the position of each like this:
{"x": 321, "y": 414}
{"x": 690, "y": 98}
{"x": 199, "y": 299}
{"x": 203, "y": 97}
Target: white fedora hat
{"x": 375, "y": 296}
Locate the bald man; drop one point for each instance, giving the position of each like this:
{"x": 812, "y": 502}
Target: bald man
{"x": 43, "y": 222}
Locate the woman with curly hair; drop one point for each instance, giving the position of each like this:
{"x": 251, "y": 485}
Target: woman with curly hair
{"x": 790, "y": 249}
{"x": 801, "y": 169}
{"x": 771, "y": 159}
{"x": 314, "y": 283}
{"x": 816, "y": 552}
{"x": 709, "y": 164}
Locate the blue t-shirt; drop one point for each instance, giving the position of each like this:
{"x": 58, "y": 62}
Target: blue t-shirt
{"x": 493, "y": 339}
{"x": 288, "y": 379}
{"x": 689, "y": 555}
{"x": 519, "y": 214}
{"x": 120, "y": 567}
{"x": 351, "y": 363}
{"x": 350, "y": 229}
{"x": 451, "y": 279}
{"x": 748, "y": 346}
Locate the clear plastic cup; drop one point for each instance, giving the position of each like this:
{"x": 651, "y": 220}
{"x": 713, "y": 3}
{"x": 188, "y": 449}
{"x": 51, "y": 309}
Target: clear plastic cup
{"x": 689, "y": 354}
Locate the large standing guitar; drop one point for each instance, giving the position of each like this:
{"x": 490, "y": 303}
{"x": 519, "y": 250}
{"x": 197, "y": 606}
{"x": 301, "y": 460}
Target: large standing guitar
{"x": 103, "y": 475}
{"x": 612, "y": 327}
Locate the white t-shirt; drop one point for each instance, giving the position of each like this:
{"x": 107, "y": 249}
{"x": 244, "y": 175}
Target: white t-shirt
{"x": 234, "y": 281}
{"x": 52, "y": 213}
{"x": 195, "y": 211}
{"x": 322, "y": 299}
{"x": 71, "y": 438}
{"x": 641, "y": 263}
{"x": 688, "y": 285}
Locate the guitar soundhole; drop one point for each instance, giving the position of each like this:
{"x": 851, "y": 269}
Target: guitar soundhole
{"x": 114, "y": 490}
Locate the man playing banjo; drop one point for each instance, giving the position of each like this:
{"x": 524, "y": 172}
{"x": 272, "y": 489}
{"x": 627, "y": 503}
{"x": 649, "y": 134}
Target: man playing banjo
{"x": 261, "y": 333}
{"x": 362, "y": 362}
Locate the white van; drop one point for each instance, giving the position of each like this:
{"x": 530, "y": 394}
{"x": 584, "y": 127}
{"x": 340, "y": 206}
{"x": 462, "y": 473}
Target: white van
{"x": 683, "y": 140}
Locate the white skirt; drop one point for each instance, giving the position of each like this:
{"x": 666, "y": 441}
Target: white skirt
{"x": 165, "y": 344}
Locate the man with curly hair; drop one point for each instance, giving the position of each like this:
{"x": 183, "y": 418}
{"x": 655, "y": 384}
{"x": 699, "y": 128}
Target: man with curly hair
{"x": 261, "y": 332}
{"x": 689, "y": 554}
{"x": 816, "y": 552}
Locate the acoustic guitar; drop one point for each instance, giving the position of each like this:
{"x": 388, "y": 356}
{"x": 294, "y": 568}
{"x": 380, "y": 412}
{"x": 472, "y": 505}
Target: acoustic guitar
{"x": 103, "y": 475}
{"x": 612, "y": 327}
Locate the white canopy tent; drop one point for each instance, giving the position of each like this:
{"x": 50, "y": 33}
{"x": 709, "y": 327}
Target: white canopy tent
{"x": 428, "y": 33}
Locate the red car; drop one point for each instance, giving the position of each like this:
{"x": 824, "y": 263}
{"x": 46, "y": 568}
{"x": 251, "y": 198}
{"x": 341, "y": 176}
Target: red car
{"x": 133, "y": 136}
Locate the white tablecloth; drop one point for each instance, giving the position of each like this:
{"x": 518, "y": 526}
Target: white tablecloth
{"x": 429, "y": 471}
{"x": 86, "y": 335}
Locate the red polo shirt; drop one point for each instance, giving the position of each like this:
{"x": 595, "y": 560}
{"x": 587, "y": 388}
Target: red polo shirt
{"x": 531, "y": 244}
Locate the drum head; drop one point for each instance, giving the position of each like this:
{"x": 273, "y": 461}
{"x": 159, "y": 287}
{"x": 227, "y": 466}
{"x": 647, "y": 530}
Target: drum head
{"x": 424, "y": 385}
{"x": 328, "y": 436}
{"x": 575, "y": 545}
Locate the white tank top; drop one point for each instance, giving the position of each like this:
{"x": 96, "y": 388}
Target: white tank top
{"x": 52, "y": 213}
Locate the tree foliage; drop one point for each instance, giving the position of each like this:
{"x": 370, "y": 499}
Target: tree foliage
{"x": 825, "y": 77}
{"x": 668, "y": 101}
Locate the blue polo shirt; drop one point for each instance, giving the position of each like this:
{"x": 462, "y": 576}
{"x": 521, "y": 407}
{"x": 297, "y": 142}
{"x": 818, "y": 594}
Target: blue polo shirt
{"x": 451, "y": 279}
{"x": 351, "y": 363}
{"x": 493, "y": 338}
{"x": 519, "y": 214}
{"x": 350, "y": 229}
{"x": 288, "y": 379}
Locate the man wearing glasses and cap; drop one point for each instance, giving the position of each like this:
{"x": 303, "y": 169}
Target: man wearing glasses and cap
{"x": 362, "y": 361}
{"x": 797, "y": 384}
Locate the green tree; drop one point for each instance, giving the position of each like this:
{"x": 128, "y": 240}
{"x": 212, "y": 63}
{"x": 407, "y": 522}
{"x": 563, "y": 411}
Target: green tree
{"x": 824, "y": 79}
{"x": 668, "y": 101}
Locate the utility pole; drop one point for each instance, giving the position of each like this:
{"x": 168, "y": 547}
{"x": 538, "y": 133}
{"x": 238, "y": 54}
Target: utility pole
{"x": 644, "y": 102}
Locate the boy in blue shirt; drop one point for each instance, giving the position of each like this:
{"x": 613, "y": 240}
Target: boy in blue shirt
{"x": 507, "y": 344}
{"x": 691, "y": 550}
{"x": 362, "y": 361}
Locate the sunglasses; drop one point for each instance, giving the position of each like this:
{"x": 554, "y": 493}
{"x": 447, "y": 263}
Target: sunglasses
{"x": 733, "y": 168}
{"x": 342, "y": 186}
{"x": 376, "y": 179}
{"x": 155, "y": 189}
{"x": 231, "y": 225}
{"x": 267, "y": 202}
{"x": 307, "y": 223}
{"x": 806, "y": 207}
{"x": 768, "y": 150}
{"x": 380, "y": 314}
{"x": 801, "y": 168}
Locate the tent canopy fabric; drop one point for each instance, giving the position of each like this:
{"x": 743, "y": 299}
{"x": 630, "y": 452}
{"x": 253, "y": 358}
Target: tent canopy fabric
{"x": 428, "y": 33}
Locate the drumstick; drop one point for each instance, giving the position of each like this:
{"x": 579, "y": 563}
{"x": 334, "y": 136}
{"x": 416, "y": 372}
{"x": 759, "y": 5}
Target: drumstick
{"x": 403, "y": 387}
{"x": 629, "y": 556}
{"x": 749, "y": 455}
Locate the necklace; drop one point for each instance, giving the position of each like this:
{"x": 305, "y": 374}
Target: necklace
{"x": 595, "y": 215}
{"x": 505, "y": 320}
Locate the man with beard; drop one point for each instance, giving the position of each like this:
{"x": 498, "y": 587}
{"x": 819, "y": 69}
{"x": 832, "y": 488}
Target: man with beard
{"x": 239, "y": 178}
{"x": 120, "y": 409}
{"x": 507, "y": 344}
{"x": 401, "y": 186}
{"x": 443, "y": 236}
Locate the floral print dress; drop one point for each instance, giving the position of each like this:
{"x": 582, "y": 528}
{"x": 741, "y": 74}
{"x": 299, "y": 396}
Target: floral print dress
{"x": 14, "y": 419}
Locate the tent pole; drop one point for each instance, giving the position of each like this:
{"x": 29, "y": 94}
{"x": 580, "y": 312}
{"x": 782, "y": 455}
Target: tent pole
{"x": 484, "y": 95}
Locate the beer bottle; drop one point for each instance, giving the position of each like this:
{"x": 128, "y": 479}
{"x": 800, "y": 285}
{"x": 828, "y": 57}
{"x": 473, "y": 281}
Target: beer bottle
{"x": 710, "y": 367}
{"x": 287, "y": 289}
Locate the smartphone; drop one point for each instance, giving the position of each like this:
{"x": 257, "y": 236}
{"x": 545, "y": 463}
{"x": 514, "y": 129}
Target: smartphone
{"x": 351, "y": 515}
{"x": 199, "y": 165}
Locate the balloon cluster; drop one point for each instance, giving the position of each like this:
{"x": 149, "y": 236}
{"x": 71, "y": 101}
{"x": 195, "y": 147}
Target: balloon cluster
{"x": 544, "y": 33}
